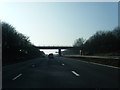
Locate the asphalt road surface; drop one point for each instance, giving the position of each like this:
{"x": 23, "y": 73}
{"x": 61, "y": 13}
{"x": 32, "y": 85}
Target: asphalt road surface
{"x": 59, "y": 73}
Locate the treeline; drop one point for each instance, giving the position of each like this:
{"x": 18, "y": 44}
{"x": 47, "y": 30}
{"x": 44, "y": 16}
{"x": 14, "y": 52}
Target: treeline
{"x": 102, "y": 42}
{"x": 16, "y": 47}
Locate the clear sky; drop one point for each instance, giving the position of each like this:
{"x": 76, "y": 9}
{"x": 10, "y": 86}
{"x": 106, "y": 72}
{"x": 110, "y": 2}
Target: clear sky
{"x": 59, "y": 23}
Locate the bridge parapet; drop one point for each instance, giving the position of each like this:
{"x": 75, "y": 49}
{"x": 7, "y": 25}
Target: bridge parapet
{"x": 53, "y": 47}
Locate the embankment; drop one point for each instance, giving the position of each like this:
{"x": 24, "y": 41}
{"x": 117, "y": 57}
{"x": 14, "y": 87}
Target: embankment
{"x": 107, "y": 60}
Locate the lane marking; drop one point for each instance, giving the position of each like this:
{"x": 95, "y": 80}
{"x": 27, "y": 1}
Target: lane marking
{"x": 75, "y": 73}
{"x": 105, "y": 65}
{"x": 99, "y": 64}
{"x": 17, "y": 76}
{"x": 63, "y": 64}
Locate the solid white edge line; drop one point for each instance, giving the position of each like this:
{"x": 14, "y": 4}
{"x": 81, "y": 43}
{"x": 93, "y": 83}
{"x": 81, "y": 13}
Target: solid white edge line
{"x": 106, "y": 65}
{"x": 17, "y": 76}
{"x": 75, "y": 73}
{"x": 99, "y": 64}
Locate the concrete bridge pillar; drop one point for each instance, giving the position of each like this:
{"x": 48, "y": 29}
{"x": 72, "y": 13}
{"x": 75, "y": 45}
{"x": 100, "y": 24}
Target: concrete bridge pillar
{"x": 59, "y": 51}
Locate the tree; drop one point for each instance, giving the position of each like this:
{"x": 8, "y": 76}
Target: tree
{"x": 16, "y": 46}
{"x": 103, "y": 42}
{"x": 79, "y": 42}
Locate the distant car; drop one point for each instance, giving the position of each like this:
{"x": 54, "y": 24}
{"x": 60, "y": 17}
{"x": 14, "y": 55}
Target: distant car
{"x": 51, "y": 56}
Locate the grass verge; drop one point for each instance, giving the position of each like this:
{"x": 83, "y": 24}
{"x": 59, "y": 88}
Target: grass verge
{"x": 107, "y": 60}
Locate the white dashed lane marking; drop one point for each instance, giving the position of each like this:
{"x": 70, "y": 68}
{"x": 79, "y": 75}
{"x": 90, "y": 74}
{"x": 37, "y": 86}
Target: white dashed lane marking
{"x": 63, "y": 64}
{"x": 76, "y": 74}
{"x": 17, "y": 76}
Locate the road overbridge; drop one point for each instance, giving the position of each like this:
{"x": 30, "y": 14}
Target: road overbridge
{"x": 54, "y": 47}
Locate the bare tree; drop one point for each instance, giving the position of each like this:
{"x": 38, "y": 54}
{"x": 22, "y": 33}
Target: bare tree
{"x": 79, "y": 42}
